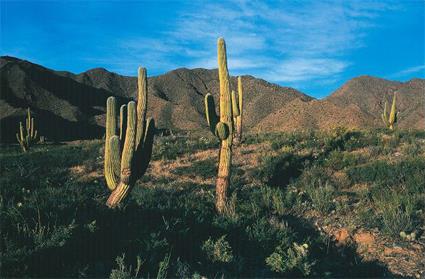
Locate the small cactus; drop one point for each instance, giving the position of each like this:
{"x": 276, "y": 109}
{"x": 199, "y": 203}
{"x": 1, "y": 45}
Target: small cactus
{"x": 238, "y": 119}
{"x": 27, "y": 137}
{"x": 128, "y": 153}
{"x": 222, "y": 127}
{"x": 391, "y": 119}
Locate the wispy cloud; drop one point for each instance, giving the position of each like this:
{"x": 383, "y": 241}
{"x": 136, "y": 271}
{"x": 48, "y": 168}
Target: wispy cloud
{"x": 290, "y": 42}
{"x": 410, "y": 70}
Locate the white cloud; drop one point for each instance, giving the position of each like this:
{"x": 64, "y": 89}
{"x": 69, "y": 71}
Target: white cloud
{"x": 300, "y": 69}
{"x": 411, "y": 70}
{"x": 288, "y": 41}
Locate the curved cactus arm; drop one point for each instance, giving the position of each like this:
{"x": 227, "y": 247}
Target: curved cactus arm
{"x": 123, "y": 122}
{"x": 126, "y": 179}
{"x": 112, "y": 163}
{"x": 212, "y": 118}
{"x": 142, "y": 101}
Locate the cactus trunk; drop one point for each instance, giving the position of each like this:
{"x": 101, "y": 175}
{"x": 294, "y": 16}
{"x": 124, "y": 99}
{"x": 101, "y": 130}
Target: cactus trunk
{"x": 135, "y": 140}
{"x": 222, "y": 126}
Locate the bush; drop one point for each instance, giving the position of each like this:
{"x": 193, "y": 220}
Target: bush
{"x": 281, "y": 169}
{"x": 219, "y": 250}
{"x": 321, "y": 195}
{"x": 287, "y": 259}
{"x": 395, "y": 210}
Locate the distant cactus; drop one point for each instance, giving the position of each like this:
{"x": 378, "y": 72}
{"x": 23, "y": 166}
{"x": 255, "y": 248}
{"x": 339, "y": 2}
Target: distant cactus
{"x": 127, "y": 156}
{"x": 390, "y": 120}
{"x": 222, "y": 127}
{"x": 27, "y": 137}
{"x": 238, "y": 119}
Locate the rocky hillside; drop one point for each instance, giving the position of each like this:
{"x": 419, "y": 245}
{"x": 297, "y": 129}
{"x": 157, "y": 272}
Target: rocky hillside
{"x": 69, "y": 106}
{"x": 72, "y": 106}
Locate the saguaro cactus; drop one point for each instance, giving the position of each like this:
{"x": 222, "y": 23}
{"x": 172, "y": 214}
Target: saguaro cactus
{"x": 238, "y": 119}
{"x": 27, "y": 137}
{"x": 391, "y": 119}
{"x": 222, "y": 127}
{"x": 127, "y": 156}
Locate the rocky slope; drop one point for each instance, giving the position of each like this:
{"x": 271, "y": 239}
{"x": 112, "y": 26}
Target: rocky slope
{"x": 72, "y": 106}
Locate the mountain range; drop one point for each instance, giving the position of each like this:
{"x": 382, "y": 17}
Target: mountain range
{"x": 71, "y": 106}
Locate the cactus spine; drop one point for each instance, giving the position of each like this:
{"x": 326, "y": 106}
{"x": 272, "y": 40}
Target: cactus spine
{"x": 391, "y": 119}
{"x": 238, "y": 118}
{"x": 127, "y": 156}
{"x": 222, "y": 127}
{"x": 27, "y": 137}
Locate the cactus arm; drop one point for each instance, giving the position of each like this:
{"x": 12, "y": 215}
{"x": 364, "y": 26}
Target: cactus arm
{"x": 111, "y": 128}
{"x": 127, "y": 177}
{"x": 112, "y": 163}
{"x": 392, "y": 118}
{"x": 123, "y": 121}
{"x": 21, "y": 132}
{"x": 28, "y": 122}
{"x": 385, "y": 120}
{"x": 145, "y": 150}
{"x": 212, "y": 118}
{"x": 225, "y": 158}
{"x": 384, "y": 115}
{"x": 239, "y": 118}
{"x": 129, "y": 144}
{"x": 235, "y": 106}
{"x": 142, "y": 99}
{"x": 240, "y": 95}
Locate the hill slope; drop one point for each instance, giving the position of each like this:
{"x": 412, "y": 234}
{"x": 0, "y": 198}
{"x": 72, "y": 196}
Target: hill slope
{"x": 72, "y": 106}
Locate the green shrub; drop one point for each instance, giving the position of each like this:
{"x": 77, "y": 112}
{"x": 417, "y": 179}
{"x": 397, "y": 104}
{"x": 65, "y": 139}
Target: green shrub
{"x": 381, "y": 172}
{"x": 124, "y": 272}
{"x": 281, "y": 169}
{"x": 395, "y": 210}
{"x": 321, "y": 195}
{"x": 339, "y": 160}
{"x": 219, "y": 250}
{"x": 287, "y": 259}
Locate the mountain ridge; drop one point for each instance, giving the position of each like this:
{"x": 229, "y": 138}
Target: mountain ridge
{"x": 74, "y": 104}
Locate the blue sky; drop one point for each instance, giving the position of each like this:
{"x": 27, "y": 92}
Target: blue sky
{"x": 314, "y": 46}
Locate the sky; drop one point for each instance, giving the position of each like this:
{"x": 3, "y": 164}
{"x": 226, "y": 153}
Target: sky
{"x": 313, "y": 46}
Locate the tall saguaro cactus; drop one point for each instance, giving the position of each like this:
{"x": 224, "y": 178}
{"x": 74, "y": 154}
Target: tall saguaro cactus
{"x": 222, "y": 127}
{"x": 26, "y": 137}
{"x": 391, "y": 119}
{"x": 238, "y": 119}
{"x": 128, "y": 153}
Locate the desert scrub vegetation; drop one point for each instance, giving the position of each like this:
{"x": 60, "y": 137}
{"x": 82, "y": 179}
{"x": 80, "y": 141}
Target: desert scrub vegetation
{"x": 55, "y": 223}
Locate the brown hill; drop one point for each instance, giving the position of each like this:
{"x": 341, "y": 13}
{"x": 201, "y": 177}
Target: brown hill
{"x": 370, "y": 93}
{"x": 357, "y": 104}
{"x": 71, "y": 106}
